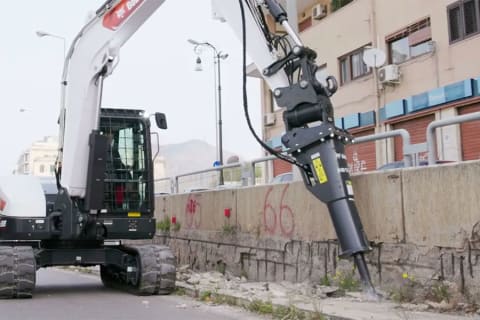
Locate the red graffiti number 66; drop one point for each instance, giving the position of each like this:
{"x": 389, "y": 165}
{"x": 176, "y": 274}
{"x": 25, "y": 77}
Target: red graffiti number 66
{"x": 281, "y": 220}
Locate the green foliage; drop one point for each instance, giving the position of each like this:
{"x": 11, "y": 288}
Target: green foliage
{"x": 179, "y": 291}
{"x": 206, "y": 295}
{"x": 176, "y": 226}
{"x": 288, "y": 313}
{"x": 228, "y": 229}
{"x": 261, "y": 307}
{"x": 164, "y": 224}
{"x": 325, "y": 281}
{"x": 407, "y": 291}
{"x": 337, "y": 4}
{"x": 439, "y": 292}
{"x": 221, "y": 267}
{"x": 347, "y": 281}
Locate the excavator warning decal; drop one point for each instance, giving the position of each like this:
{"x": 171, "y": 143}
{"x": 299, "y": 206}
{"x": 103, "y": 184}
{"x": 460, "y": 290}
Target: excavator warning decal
{"x": 114, "y": 18}
{"x": 319, "y": 170}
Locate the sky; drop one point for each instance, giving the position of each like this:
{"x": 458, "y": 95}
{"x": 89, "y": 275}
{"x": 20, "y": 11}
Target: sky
{"x": 155, "y": 73}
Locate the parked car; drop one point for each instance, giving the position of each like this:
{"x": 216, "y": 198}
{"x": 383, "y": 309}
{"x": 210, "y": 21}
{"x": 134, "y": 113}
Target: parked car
{"x": 283, "y": 178}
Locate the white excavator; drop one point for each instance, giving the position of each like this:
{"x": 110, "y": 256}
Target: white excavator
{"x": 104, "y": 169}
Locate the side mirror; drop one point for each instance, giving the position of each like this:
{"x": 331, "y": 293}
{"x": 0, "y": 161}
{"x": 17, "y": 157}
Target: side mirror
{"x": 161, "y": 120}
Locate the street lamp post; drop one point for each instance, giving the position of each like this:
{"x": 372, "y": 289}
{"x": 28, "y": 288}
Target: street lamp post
{"x": 217, "y": 57}
{"x": 42, "y": 34}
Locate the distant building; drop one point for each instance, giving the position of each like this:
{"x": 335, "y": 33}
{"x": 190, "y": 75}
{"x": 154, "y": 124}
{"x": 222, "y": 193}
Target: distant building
{"x": 39, "y": 159}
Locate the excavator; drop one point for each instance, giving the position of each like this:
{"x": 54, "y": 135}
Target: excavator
{"x": 104, "y": 171}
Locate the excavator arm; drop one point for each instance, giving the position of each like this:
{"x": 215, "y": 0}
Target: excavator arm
{"x": 313, "y": 142}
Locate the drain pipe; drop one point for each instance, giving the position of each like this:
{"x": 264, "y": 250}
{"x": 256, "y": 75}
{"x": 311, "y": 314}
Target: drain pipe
{"x": 389, "y": 134}
{"x": 431, "y": 145}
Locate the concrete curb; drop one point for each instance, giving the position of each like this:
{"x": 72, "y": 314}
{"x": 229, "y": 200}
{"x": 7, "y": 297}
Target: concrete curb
{"x": 239, "y": 301}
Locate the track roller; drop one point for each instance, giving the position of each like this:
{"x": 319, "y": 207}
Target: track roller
{"x": 17, "y": 272}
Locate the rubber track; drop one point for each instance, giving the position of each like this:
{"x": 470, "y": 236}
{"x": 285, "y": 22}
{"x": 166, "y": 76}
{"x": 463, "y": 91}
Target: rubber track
{"x": 157, "y": 271}
{"x": 17, "y": 272}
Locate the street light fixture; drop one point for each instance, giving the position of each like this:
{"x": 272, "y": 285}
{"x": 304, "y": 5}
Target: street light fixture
{"x": 217, "y": 57}
{"x": 42, "y": 34}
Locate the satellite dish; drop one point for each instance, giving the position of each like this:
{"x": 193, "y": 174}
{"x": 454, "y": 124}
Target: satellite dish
{"x": 374, "y": 57}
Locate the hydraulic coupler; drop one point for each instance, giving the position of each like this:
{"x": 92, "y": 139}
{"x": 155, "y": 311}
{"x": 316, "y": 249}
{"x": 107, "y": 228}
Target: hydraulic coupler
{"x": 321, "y": 152}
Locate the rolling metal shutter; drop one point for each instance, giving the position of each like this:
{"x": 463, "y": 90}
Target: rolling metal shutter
{"x": 417, "y": 128}
{"x": 470, "y": 134}
{"x": 280, "y": 166}
{"x": 361, "y": 157}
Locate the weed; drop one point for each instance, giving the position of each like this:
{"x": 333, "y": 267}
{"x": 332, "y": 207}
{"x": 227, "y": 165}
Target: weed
{"x": 288, "y": 313}
{"x": 164, "y": 224}
{"x": 347, "y": 281}
{"x": 316, "y": 315}
{"x": 206, "y": 295}
{"x": 221, "y": 267}
{"x": 261, "y": 307}
{"x": 228, "y": 229}
{"x": 325, "y": 281}
{"x": 176, "y": 226}
{"x": 179, "y": 291}
{"x": 407, "y": 291}
{"x": 439, "y": 292}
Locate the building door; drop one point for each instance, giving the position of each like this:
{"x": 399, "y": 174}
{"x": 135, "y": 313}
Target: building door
{"x": 417, "y": 128}
{"x": 361, "y": 157}
{"x": 470, "y": 134}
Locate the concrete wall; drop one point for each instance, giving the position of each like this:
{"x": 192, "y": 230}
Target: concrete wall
{"x": 423, "y": 221}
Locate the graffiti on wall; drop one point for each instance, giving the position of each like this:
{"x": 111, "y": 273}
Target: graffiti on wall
{"x": 193, "y": 211}
{"x": 357, "y": 164}
{"x": 278, "y": 217}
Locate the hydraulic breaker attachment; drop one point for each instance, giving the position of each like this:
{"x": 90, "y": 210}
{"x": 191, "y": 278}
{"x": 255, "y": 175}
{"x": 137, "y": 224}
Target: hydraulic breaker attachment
{"x": 313, "y": 142}
{"x": 320, "y": 151}
{"x": 318, "y": 147}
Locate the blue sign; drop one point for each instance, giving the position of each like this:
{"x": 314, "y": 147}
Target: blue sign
{"x": 367, "y": 118}
{"x": 458, "y": 90}
{"x": 217, "y": 163}
{"x": 436, "y": 97}
{"x": 351, "y": 121}
{"x": 395, "y": 109}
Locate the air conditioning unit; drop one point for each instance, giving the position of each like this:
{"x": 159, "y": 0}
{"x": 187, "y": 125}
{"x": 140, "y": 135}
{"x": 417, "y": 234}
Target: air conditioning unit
{"x": 269, "y": 119}
{"x": 319, "y": 11}
{"x": 389, "y": 74}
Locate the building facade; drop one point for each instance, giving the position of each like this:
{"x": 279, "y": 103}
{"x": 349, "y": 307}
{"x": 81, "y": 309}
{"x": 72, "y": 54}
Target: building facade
{"x": 429, "y": 73}
{"x": 39, "y": 159}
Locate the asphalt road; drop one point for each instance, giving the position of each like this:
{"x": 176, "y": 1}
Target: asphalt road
{"x": 70, "y": 295}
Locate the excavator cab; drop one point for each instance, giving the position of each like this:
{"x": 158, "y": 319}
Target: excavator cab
{"x": 128, "y": 183}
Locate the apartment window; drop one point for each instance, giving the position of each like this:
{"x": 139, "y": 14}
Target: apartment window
{"x": 42, "y": 168}
{"x": 463, "y": 19}
{"x": 52, "y": 168}
{"x": 352, "y": 66}
{"x": 410, "y": 42}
